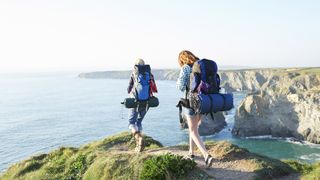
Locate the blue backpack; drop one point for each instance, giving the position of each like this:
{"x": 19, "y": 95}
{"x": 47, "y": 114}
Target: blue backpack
{"x": 142, "y": 76}
{"x": 205, "y": 86}
{"x": 204, "y": 77}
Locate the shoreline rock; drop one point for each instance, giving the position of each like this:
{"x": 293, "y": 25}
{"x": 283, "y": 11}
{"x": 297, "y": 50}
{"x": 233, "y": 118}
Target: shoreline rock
{"x": 209, "y": 126}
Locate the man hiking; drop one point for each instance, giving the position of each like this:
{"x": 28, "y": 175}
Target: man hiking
{"x": 141, "y": 87}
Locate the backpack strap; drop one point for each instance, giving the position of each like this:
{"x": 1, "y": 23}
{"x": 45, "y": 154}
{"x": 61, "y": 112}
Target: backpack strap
{"x": 147, "y": 106}
{"x": 224, "y": 101}
{"x": 186, "y": 93}
{"x": 211, "y": 106}
{"x": 138, "y": 106}
{"x": 211, "y": 102}
{"x": 203, "y": 71}
{"x": 180, "y": 112}
{"x": 212, "y": 117}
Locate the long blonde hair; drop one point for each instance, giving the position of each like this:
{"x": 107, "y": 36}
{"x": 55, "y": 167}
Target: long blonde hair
{"x": 187, "y": 57}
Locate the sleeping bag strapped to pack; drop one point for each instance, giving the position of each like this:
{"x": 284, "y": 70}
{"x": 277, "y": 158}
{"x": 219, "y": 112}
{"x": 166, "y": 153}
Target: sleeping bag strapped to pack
{"x": 141, "y": 91}
{"x": 209, "y": 103}
{"x": 205, "y": 86}
{"x": 142, "y": 77}
{"x": 133, "y": 103}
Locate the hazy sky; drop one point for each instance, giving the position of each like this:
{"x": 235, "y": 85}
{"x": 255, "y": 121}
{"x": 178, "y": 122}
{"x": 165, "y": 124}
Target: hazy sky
{"x": 43, "y": 35}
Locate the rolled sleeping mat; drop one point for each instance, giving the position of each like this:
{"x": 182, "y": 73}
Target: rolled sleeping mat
{"x": 209, "y": 103}
{"x": 153, "y": 102}
{"x": 133, "y": 103}
{"x": 130, "y": 103}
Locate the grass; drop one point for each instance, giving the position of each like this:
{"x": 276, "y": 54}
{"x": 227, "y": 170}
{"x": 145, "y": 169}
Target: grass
{"x": 314, "y": 173}
{"x": 75, "y": 163}
{"x": 168, "y": 166}
{"x": 113, "y": 158}
{"x": 314, "y": 70}
{"x": 307, "y": 171}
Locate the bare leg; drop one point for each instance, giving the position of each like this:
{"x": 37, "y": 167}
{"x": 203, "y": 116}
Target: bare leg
{"x": 193, "y": 122}
{"x": 134, "y": 129}
{"x": 140, "y": 138}
{"x": 191, "y": 144}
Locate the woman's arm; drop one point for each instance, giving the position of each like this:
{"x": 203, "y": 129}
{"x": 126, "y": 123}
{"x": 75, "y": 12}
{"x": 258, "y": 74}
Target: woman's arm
{"x": 184, "y": 77}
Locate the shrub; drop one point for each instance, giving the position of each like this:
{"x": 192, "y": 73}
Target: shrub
{"x": 76, "y": 169}
{"x": 168, "y": 166}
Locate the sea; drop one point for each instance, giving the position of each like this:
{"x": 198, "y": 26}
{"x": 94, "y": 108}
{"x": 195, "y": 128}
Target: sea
{"x": 40, "y": 112}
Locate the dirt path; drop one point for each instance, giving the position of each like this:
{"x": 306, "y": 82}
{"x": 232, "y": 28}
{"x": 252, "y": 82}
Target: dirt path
{"x": 225, "y": 170}
{"x": 219, "y": 170}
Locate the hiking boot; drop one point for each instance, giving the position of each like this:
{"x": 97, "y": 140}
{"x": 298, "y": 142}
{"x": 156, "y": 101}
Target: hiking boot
{"x": 136, "y": 137}
{"x": 189, "y": 156}
{"x": 209, "y": 161}
{"x": 139, "y": 142}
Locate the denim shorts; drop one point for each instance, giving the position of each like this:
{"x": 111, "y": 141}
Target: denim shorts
{"x": 188, "y": 111}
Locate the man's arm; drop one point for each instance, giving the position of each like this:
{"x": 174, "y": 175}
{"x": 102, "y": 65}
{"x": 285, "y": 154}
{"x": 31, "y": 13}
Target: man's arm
{"x": 129, "y": 89}
{"x": 153, "y": 85}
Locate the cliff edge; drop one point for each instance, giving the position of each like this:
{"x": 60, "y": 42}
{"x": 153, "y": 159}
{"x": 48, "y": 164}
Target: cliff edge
{"x": 114, "y": 158}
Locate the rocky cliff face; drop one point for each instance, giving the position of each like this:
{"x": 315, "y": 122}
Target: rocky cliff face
{"x": 208, "y": 125}
{"x": 281, "y": 102}
{"x": 244, "y": 80}
{"x": 287, "y": 105}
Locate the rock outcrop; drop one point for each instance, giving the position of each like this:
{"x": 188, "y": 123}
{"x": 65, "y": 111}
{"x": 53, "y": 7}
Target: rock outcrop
{"x": 245, "y": 80}
{"x": 287, "y": 105}
{"x": 208, "y": 125}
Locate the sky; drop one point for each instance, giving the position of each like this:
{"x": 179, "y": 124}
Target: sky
{"x": 68, "y": 35}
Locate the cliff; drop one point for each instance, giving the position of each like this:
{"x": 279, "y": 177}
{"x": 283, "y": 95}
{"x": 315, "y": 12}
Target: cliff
{"x": 159, "y": 74}
{"x": 114, "y": 158}
{"x": 280, "y": 102}
{"x": 232, "y": 80}
{"x": 286, "y": 105}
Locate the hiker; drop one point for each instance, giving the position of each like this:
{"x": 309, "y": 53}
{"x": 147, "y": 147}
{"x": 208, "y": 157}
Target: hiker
{"x": 186, "y": 60}
{"x": 141, "y": 87}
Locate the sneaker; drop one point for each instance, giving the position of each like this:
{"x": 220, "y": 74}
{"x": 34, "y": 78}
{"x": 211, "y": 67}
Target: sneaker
{"x": 209, "y": 161}
{"x": 189, "y": 156}
{"x": 140, "y": 143}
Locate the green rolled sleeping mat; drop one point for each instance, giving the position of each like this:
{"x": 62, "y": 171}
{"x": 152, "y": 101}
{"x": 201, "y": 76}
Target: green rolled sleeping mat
{"x": 133, "y": 103}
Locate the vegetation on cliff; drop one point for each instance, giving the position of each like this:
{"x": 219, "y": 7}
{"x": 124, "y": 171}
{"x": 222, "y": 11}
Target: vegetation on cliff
{"x": 114, "y": 158}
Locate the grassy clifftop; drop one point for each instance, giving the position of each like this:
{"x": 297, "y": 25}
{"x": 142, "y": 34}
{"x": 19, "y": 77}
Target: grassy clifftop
{"x": 114, "y": 158}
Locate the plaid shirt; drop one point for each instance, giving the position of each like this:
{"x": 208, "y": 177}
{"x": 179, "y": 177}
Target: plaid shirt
{"x": 184, "y": 77}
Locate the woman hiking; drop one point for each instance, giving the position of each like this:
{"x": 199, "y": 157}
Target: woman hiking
{"x": 141, "y": 87}
{"x": 186, "y": 60}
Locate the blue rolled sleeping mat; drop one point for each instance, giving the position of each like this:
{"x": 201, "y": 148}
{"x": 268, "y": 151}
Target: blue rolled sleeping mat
{"x": 215, "y": 102}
